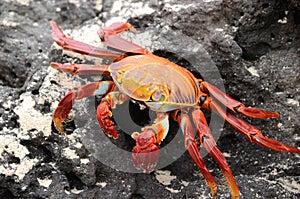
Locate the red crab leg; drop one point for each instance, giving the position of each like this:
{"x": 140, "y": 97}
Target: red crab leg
{"x": 250, "y": 132}
{"x": 191, "y": 145}
{"x": 146, "y": 152}
{"x": 65, "y": 105}
{"x": 111, "y": 39}
{"x": 104, "y": 113}
{"x": 235, "y": 105}
{"x": 75, "y": 69}
{"x": 70, "y": 44}
{"x": 207, "y": 140}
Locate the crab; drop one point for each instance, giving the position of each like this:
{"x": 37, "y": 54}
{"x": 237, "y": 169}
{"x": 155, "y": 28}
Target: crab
{"x": 164, "y": 87}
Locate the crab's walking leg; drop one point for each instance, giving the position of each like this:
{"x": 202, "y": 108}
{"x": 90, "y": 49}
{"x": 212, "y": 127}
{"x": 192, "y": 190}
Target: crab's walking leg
{"x": 70, "y": 44}
{"x": 110, "y": 36}
{"x": 235, "y": 105}
{"x": 146, "y": 152}
{"x": 191, "y": 145}
{"x": 65, "y": 105}
{"x": 75, "y": 69}
{"x": 250, "y": 132}
{"x": 104, "y": 113}
{"x": 208, "y": 142}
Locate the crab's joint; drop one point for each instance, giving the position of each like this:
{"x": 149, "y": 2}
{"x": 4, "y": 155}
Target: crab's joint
{"x": 204, "y": 137}
{"x": 252, "y": 137}
{"x": 202, "y": 100}
{"x": 177, "y": 114}
{"x": 102, "y": 37}
{"x": 74, "y": 70}
{"x": 236, "y": 108}
{"x": 114, "y": 29}
{"x": 199, "y": 82}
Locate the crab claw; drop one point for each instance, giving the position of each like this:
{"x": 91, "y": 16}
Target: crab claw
{"x": 63, "y": 109}
{"x": 146, "y": 153}
{"x": 104, "y": 115}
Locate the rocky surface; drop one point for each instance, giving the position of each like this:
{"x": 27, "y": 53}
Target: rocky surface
{"x": 255, "y": 45}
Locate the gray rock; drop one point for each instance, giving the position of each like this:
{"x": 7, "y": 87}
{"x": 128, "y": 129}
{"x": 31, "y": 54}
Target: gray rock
{"x": 255, "y": 46}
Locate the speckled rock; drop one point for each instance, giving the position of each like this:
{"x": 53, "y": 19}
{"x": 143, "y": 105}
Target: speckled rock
{"x": 255, "y": 45}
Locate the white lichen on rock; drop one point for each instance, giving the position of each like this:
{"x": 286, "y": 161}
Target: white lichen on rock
{"x": 133, "y": 9}
{"x": 44, "y": 182}
{"x": 31, "y": 119}
{"x": 253, "y": 71}
{"x": 10, "y": 144}
{"x": 21, "y": 2}
{"x": 69, "y": 153}
{"x": 164, "y": 177}
{"x": 102, "y": 184}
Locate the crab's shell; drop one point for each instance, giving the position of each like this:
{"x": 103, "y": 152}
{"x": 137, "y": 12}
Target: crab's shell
{"x": 141, "y": 75}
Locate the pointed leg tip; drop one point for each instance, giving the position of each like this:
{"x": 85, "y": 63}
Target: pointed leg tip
{"x": 294, "y": 150}
{"x": 235, "y": 197}
{"x": 256, "y": 113}
{"x": 132, "y": 29}
{"x": 276, "y": 115}
{"x": 274, "y": 144}
{"x": 214, "y": 191}
{"x": 56, "y": 66}
{"x": 52, "y": 23}
{"x": 270, "y": 114}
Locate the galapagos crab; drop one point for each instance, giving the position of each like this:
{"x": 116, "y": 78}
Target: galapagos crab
{"x": 164, "y": 87}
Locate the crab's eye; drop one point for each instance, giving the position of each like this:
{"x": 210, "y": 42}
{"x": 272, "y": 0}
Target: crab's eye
{"x": 158, "y": 96}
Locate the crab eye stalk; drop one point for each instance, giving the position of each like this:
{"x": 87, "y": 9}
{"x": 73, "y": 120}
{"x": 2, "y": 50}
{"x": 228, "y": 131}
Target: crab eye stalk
{"x": 158, "y": 96}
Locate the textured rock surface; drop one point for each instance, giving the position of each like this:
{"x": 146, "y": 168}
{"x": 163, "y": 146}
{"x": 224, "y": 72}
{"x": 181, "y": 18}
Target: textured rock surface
{"x": 255, "y": 45}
